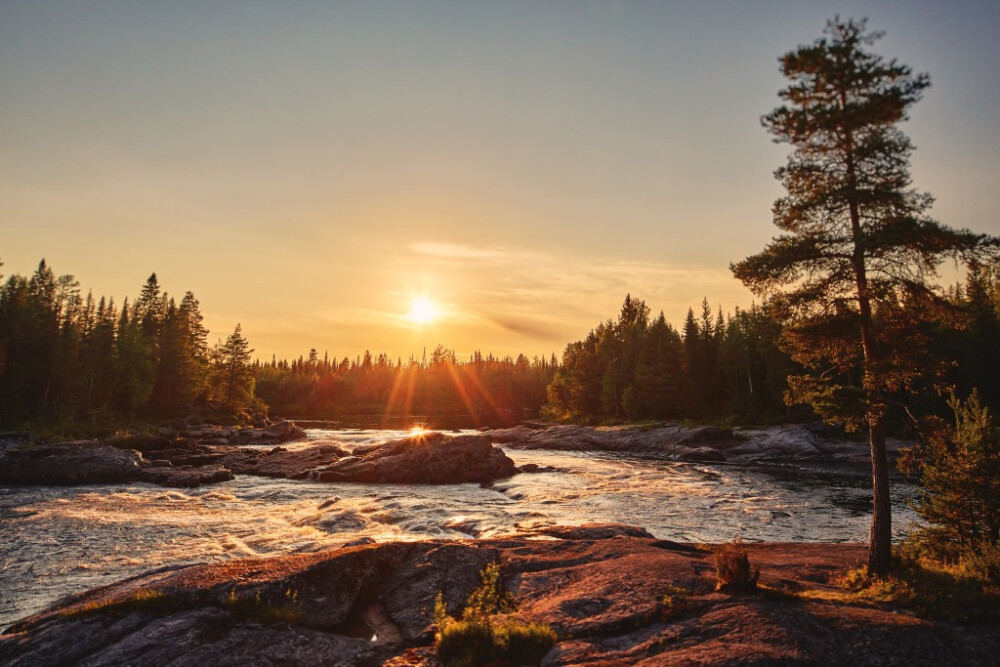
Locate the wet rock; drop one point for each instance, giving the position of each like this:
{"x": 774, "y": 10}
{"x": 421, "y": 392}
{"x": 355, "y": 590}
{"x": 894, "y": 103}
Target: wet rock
{"x": 535, "y": 468}
{"x": 284, "y": 431}
{"x": 594, "y": 531}
{"x": 790, "y": 442}
{"x": 68, "y": 463}
{"x": 280, "y": 462}
{"x": 187, "y": 477}
{"x": 706, "y": 454}
{"x": 432, "y": 458}
{"x": 141, "y": 443}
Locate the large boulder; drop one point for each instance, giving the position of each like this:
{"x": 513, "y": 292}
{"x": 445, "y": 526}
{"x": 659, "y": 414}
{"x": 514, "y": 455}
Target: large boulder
{"x": 432, "y": 458}
{"x": 283, "y": 431}
{"x": 67, "y": 463}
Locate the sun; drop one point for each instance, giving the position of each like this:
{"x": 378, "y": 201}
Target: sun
{"x": 422, "y": 311}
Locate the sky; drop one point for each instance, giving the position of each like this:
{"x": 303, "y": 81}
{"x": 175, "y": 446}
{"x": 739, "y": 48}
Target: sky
{"x": 309, "y": 169}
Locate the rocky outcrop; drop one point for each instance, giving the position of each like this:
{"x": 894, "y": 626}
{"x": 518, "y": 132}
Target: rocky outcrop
{"x": 67, "y": 463}
{"x": 432, "y": 458}
{"x": 791, "y": 442}
{"x": 176, "y": 457}
{"x": 281, "y": 462}
{"x": 603, "y": 592}
{"x": 213, "y": 434}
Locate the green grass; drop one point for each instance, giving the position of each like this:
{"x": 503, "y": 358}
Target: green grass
{"x": 144, "y": 601}
{"x": 922, "y": 588}
{"x": 261, "y": 610}
{"x": 474, "y": 643}
{"x": 486, "y": 634}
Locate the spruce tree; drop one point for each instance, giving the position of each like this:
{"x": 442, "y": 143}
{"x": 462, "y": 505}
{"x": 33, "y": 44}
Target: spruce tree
{"x": 858, "y": 255}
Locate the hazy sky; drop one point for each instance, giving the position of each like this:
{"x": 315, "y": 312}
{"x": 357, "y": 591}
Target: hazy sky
{"x": 308, "y": 169}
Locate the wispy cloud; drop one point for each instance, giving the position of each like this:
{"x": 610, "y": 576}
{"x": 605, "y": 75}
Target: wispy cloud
{"x": 455, "y": 251}
{"x": 554, "y": 297}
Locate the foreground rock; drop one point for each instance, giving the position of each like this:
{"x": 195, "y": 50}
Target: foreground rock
{"x": 602, "y": 590}
{"x": 432, "y": 458}
{"x": 791, "y": 442}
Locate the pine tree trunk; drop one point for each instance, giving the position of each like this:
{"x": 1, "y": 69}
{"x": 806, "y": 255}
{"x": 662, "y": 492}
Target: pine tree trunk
{"x": 880, "y": 539}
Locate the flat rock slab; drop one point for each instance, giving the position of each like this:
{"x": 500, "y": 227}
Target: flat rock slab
{"x": 602, "y": 591}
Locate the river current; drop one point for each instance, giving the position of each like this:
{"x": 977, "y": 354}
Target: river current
{"x": 56, "y": 541}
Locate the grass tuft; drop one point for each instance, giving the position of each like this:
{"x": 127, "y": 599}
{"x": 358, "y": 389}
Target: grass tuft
{"x": 286, "y": 610}
{"x": 147, "y": 600}
{"x": 485, "y": 634}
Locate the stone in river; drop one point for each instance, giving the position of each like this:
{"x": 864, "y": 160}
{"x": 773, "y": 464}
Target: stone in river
{"x": 432, "y": 458}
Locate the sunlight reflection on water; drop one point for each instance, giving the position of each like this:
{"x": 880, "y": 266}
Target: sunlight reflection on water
{"x": 56, "y": 541}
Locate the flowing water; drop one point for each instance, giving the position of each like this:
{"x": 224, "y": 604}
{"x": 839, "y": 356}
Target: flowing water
{"x": 60, "y": 540}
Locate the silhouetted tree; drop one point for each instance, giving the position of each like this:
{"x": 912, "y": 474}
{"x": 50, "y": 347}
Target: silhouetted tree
{"x": 858, "y": 249}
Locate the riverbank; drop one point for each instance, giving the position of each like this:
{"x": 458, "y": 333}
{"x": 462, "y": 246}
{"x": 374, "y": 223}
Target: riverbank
{"x": 773, "y": 444}
{"x": 190, "y": 456}
{"x": 613, "y": 594}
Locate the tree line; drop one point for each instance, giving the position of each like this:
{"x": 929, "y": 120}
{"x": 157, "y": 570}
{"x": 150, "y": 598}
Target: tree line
{"x": 734, "y": 368}
{"x": 482, "y": 390}
{"x": 67, "y": 358}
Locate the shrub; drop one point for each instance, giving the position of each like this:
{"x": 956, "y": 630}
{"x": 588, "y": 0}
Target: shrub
{"x": 923, "y": 587}
{"x": 484, "y": 635}
{"x": 733, "y": 573}
{"x": 959, "y": 469}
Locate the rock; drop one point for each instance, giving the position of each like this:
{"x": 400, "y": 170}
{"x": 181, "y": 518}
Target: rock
{"x": 603, "y": 597}
{"x": 187, "y": 477}
{"x": 535, "y": 468}
{"x": 432, "y": 458}
{"x": 68, "y": 463}
{"x": 284, "y": 431}
{"x": 593, "y": 531}
{"x": 700, "y": 454}
{"x": 141, "y": 443}
{"x": 280, "y": 462}
{"x": 789, "y": 442}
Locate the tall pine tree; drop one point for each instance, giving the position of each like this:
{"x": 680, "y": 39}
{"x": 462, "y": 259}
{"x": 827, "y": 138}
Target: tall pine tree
{"x": 858, "y": 254}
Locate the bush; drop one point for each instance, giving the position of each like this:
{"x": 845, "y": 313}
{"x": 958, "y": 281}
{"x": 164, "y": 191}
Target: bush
{"x": 484, "y": 635}
{"x": 959, "y": 469}
{"x": 733, "y": 573}
{"x": 929, "y": 589}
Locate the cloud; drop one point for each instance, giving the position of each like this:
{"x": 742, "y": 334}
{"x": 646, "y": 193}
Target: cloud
{"x": 455, "y": 251}
{"x": 530, "y": 327}
{"x": 522, "y": 290}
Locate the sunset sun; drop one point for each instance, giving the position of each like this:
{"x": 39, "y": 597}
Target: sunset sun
{"x": 422, "y": 311}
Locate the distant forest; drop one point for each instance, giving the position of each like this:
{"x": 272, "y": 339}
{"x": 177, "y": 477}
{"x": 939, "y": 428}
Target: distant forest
{"x": 66, "y": 358}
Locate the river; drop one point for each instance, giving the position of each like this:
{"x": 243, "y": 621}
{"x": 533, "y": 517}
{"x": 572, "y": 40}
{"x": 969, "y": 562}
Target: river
{"x": 60, "y": 540}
